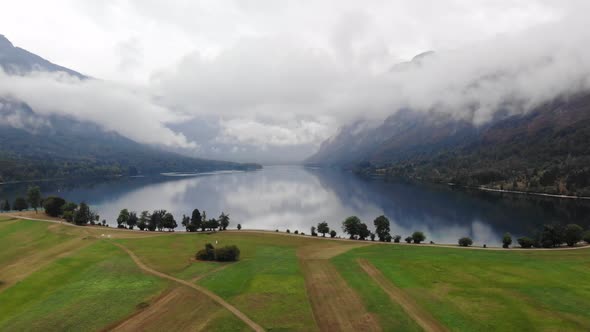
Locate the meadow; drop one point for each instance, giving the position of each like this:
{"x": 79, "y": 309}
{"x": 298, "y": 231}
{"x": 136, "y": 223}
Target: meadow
{"x": 60, "y": 277}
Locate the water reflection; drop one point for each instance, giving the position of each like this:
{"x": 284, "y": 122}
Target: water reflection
{"x": 298, "y": 198}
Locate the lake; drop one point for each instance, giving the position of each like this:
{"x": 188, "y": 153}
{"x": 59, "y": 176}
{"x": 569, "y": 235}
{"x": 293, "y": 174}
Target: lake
{"x": 296, "y": 198}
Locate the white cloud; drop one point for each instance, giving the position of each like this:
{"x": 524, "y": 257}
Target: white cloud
{"x": 288, "y": 74}
{"x": 113, "y": 106}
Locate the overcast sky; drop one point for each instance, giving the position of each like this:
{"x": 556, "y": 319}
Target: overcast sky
{"x": 270, "y": 80}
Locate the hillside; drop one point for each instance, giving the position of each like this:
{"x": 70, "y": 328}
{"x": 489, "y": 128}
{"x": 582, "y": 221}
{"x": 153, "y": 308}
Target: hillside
{"x": 544, "y": 150}
{"x": 34, "y": 146}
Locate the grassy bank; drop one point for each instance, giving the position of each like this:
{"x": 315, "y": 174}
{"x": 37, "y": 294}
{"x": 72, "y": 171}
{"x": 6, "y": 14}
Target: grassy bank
{"x": 61, "y": 277}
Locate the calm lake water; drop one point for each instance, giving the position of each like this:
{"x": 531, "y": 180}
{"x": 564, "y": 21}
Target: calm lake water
{"x": 296, "y": 198}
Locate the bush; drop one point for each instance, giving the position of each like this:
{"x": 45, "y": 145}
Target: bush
{"x": 409, "y": 239}
{"x": 506, "y": 240}
{"x": 586, "y": 237}
{"x": 240, "y": 227}
{"x": 225, "y": 254}
{"x": 418, "y": 237}
{"x": 288, "y": 231}
{"x": 397, "y": 238}
{"x": 296, "y": 232}
{"x": 573, "y": 234}
{"x": 373, "y": 237}
{"x": 525, "y": 242}
{"x": 465, "y": 242}
{"x": 20, "y": 204}
{"x": 52, "y": 205}
{"x": 332, "y": 233}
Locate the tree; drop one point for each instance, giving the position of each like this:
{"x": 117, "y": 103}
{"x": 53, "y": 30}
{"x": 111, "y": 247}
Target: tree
{"x": 363, "y": 231}
{"x": 525, "y": 242}
{"x": 351, "y": 226}
{"x": 465, "y": 242}
{"x": 69, "y": 206}
{"x": 418, "y": 237}
{"x": 372, "y": 236}
{"x": 332, "y": 233}
{"x": 323, "y": 228}
{"x": 169, "y": 222}
{"x": 313, "y": 233}
{"x": 586, "y": 237}
{"x": 144, "y": 219}
{"x": 123, "y": 218}
{"x": 381, "y": 227}
{"x": 223, "y": 221}
{"x": 34, "y": 197}
{"x": 204, "y": 221}
{"x": 132, "y": 221}
{"x": 186, "y": 222}
{"x": 408, "y": 239}
{"x": 196, "y": 221}
{"x": 239, "y": 227}
{"x": 20, "y": 204}
{"x": 52, "y": 205}
{"x": 506, "y": 240}
{"x": 551, "y": 236}
{"x": 156, "y": 220}
{"x": 397, "y": 238}
{"x": 82, "y": 214}
{"x": 5, "y": 205}
{"x": 573, "y": 234}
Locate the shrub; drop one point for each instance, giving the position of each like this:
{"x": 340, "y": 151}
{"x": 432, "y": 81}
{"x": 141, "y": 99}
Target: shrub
{"x": 20, "y": 204}
{"x": 332, "y": 233}
{"x": 409, "y": 239}
{"x": 288, "y": 231}
{"x": 227, "y": 254}
{"x": 372, "y": 236}
{"x": 525, "y": 242}
{"x": 506, "y": 240}
{"x": 52, "y": 205}
{"x": 276, "y": 230}
{"x": 207, "y": 254}
{"x": 465, "y": 242}
{"x": 388, "y": 238}
{"x": 397, "y": 238}
{"x": 573, "y": 234}
{"x": 418, "y": 237}
{"x": 240, "y": 227}
{"x": 296, "y": 232}
{"x": 586, "y": 237}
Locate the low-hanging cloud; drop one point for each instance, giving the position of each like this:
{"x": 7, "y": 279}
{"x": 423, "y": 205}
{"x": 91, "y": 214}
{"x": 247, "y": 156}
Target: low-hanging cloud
{"x": 287, "y": 89}
{"x": 114, "y": 107}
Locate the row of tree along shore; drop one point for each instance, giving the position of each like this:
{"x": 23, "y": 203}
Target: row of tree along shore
{"x": 550, "y": 236}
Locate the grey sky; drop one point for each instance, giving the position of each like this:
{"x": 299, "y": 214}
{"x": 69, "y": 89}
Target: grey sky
{"x": 281, "y": 75}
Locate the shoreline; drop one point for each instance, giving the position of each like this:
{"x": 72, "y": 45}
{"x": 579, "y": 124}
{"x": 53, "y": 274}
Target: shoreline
{"x": 263, "y": 231}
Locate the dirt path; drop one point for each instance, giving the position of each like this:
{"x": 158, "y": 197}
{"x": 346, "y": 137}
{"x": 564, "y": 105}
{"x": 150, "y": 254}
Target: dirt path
{"x": 336, "y": 306}
{"x": 200, "y": 289}
{"x": 421, "y": 316}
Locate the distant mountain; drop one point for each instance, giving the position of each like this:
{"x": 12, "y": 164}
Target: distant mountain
{"x": 33, "y": 146}
{"x": 17, "y": 61}
{"x": 544, "y": 150}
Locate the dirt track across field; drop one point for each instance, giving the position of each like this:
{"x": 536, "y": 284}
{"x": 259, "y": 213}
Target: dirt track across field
{"x": 421, "y": 316}
{"x": 336, "y": 306}
{"x": 200, "y": 289}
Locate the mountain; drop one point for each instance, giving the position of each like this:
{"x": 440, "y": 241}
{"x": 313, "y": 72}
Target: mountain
{"x": 16, "y": 61}
{"x": 34, "y": 146}
{"x": 543, "y": 150}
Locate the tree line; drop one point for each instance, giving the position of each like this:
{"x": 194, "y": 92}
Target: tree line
{"x": 32, "y": 200}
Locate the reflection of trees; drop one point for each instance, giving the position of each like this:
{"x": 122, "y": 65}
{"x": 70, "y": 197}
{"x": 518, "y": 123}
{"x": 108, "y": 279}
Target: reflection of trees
{"x": 438, "y": 205}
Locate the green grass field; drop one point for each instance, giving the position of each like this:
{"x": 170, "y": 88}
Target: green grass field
{"x": 56, "y": 277}
{"x": 475, "y": 290}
